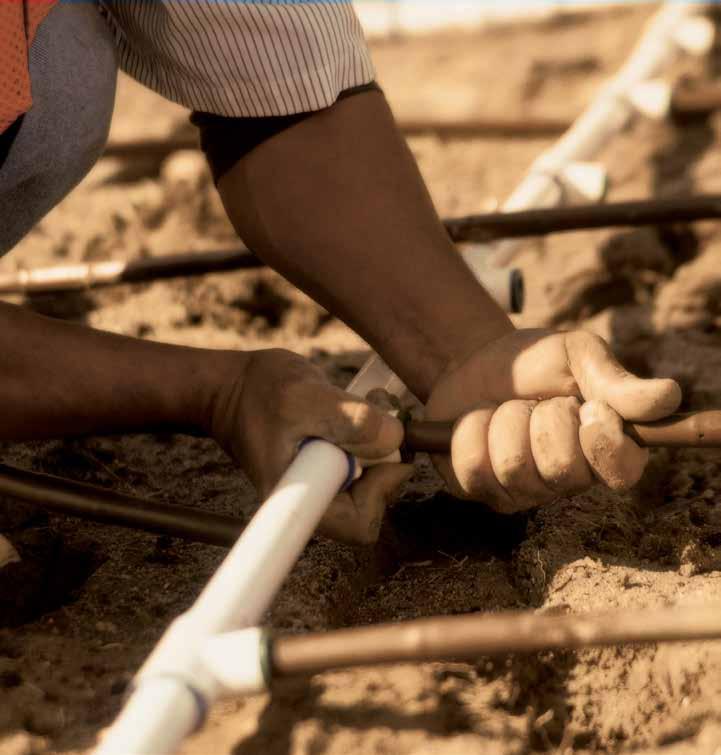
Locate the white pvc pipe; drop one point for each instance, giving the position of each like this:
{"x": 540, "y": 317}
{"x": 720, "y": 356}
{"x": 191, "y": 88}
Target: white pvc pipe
{"x": 173, "y": 688}
{"x": 605, "y": 117}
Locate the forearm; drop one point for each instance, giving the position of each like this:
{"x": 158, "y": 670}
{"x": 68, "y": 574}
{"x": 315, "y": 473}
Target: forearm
{"x": 337, "y": 205}
{"x": 58, "y": 379}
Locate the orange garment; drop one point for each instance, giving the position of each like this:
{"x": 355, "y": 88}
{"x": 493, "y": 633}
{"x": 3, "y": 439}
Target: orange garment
{"x": 19, "y": 20}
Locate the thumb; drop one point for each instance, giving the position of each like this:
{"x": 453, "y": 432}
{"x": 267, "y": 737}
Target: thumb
{"x": 354, "y": 424}
{"x": 599, "y": 376}
{"x": 355, "y": 517}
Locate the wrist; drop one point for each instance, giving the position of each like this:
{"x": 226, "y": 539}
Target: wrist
{"x": 423, "y": 361}
{"x": 215, "y": 381}
{"x": 469, "y": 346}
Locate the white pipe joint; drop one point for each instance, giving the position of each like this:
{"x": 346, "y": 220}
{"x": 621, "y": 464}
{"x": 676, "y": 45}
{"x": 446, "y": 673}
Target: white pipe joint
{"x": 651, "y": 98}
{"x": 587, "y": 180}
{"x": 695, "y": 35}
{"x": 174, "y": 688}
{"x": 238, "y": 661}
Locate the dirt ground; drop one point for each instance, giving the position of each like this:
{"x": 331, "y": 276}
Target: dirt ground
{"x": 87, "y": 603}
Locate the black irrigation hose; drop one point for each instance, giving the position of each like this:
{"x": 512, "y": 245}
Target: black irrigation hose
{"x": 477, "y": 228}
{"x": 109, "y": 507}
{"x": 492, "y": 227}
{"x": 697, "y": 429}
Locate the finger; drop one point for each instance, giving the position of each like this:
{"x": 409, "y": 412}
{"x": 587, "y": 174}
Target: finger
{"x": 355, "y": 516}
{"x": 600, "y": 377}
{"x": 468, "y": 471}
{"x": 615, "y": 459}
{"x": 350, "y": 422}
{"x": 556, "y": 446}
{"x": 509, "y": 442}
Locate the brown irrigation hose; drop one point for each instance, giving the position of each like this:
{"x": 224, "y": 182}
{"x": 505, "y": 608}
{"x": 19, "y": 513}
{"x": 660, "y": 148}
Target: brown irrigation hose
{"x": 467, "y": 637}
{"x": 478, "y": 228}
{"x": 460, "y": 128}
{"x": 701, "y": 430}
{"x": 689, "y": 100}
{"x": 78, "y": 277}
{"x": 694, "y": 430}
{"x": 504, "y": 225}
{"x": 101, "y": 505}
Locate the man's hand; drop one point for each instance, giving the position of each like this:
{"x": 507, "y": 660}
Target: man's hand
{"x": 275, "y": 399}
{"x": 539, "y": 414}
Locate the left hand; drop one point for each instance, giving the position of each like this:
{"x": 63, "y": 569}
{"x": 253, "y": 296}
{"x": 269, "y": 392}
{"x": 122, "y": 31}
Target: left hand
{"x": 539, "y": 414}
{"x": 268, "y": 401}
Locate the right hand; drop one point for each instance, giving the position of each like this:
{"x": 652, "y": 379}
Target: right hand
{"x": 539, "y": 414}
{"x": 272, "y": 400}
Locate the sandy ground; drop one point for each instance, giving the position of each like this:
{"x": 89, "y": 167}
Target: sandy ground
{"x": 88, "y": 602}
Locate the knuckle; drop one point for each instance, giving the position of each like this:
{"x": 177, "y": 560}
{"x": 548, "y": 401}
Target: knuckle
{"x": 568, "y": 404}
{"x": 584, "y": 338}
{"x": 516, "y": 407}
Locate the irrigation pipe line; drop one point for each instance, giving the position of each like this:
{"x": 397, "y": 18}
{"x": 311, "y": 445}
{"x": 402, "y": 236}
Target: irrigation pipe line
{"x": 688, "y": 100}
{"x": 700, "y": 430}
{"x": 505, "y": 285}
{"x": 541, "y": 222}
{"x": 478, "y": 228}
{"x": 562, "y": 170}
{"x": 110, "y": 507}
{"x": 459, "y": 128}
{"x": 443, "y": 638}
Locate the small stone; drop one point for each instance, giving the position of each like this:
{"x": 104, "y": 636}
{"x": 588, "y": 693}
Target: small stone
{"x": 687, "y": 570}
{"x": 106, "y": 626}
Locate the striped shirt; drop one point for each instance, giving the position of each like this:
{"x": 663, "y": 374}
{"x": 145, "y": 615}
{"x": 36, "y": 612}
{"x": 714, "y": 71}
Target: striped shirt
{"x": 242, "y": 58}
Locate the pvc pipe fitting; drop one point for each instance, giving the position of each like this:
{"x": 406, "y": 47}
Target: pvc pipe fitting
{"x": 173, "y": 689}
{"x": 238, "y": 661}
{"x": 652, "y": 98}
{"x": 695, "y": 35}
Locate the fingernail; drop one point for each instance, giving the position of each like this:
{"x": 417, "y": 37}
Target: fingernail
{"x": 595, "y": 411}
{"x": 588, "y": 413}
